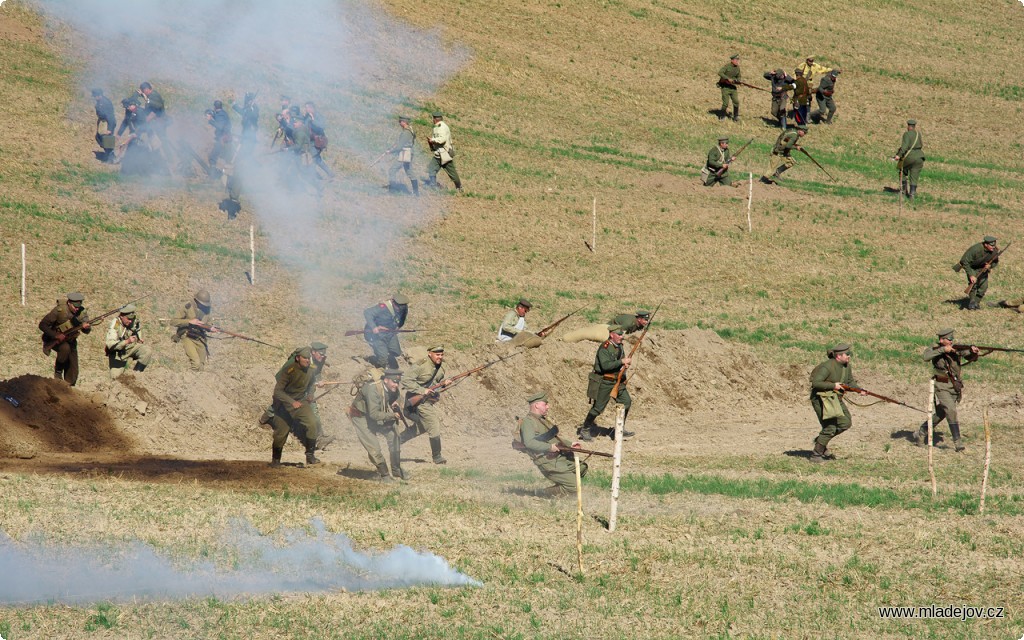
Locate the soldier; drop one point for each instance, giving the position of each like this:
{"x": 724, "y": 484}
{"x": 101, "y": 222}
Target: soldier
{"x": 444, "y": 153}
{"x": 191, "y": 329}
{"x": 608, "y": 362}
{"x": 781, "y": 85}
{"x": 425, "y": 417}
{"x": 124, "y": 343}
{"x": 910, "y": 159}
{"x": 973, "y": 262}
{"x": 946, "y": 365}
{"x": 106, "y": 123}
{"x": 812, "y": 70}
{"x": 60, "y": 328}
{"x": 318, "y": 352}
{"x": 155, "y": 115}
{"x": 539, "y": 438}
{"x": 728, "y": 76}
{"x": 716, "y": 169}
{"x": 827, "y": 399}
{"x": 514, "y": 321}
{"x": 219, "y": 119}
{"x": 382, "y": 320}
{"x": 302, "y": 150}
{"x": 403, "y": 158}
{"x": 783, "y": 148}
{"x": 826, "y": 88}
{"x": 632, "y": 322}
{"x": 315, "y": 124}
{"x": 375, "y": 412}
{"x": 250, "y": 114}
{"x": 293, "y": 411}
{"x": 801, "y": 97}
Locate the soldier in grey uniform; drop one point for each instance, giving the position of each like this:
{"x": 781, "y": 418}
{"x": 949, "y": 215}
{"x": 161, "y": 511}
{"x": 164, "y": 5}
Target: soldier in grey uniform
{"x": 823, "y": 95}
{"x": 946, "y": 363}
{"x": 403, "y": 158}
{"x": 538, "y": 437}
{"x": 425, "y": 416}
{"x": 375, "y": 412}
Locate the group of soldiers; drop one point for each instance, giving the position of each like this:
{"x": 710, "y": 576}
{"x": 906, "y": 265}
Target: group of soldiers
{"x": 142, "y": 133}
{"x": 442, "y": 156}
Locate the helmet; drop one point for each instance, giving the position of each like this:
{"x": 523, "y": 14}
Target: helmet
{"x": 203, "y": 297}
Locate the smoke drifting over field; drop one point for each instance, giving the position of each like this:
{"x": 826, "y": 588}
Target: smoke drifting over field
{"x": 291, "y": 561}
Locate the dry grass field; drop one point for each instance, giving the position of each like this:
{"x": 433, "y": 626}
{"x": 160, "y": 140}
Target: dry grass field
{"x": 724, "y": 530}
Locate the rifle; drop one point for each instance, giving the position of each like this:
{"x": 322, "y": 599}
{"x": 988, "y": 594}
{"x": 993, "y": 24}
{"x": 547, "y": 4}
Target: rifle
{"x": 589, "y": 452}
{"x": 379, "y": 158}
{"x": 846, "y": 387}
{"x": 622, "y": 371}
{"x": 414, "y": 400}
{"x": 985, "y": 268}
{"x": 195, "y": 156}
{"x": 543, "y": 333}
{"x": 722, "y": 170}
{"x": 277, "y": 136}
{"x": 804, "y": 151}
{"x": 216, "y": 329}
{"x": 987, "y": 350}
{"x": 744, "y": 84}
{"x": 359, "y": 332}
{"x": 74, "y": 331}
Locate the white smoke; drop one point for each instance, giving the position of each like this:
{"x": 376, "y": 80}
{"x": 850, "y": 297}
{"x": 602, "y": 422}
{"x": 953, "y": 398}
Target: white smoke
{"x": 292, "y": 561}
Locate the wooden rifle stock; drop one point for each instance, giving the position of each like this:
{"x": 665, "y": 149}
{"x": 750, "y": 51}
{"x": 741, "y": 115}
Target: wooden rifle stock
{"x": 589, "y": 452}
{"x": 622, "y": 371}
{"x": 543, "y": 333}
{"x": 722, "y": 170}
{"x": 74, "y": 331}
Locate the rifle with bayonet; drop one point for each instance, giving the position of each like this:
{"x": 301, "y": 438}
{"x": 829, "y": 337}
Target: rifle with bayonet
{"x": 215, "y": 329}
{"x": 722, "y": 170}
{"x": 74, "y": 331}
{"x": 846, "y": 387}
{"x": 433, "y": 391}
{"x": 543, "y": 333}
{"x": 359, "y": 332}
{"x": 818, "y": 164}
{"x": 985, "y": 268}
{"x": 744, "y": 84}
{"x": 985, "y": 350}
{"x": 622, "y": 371}
{"x": 590, "y": 452}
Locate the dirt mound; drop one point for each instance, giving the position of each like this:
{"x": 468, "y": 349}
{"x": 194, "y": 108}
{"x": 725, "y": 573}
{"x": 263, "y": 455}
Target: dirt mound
{"x": 43, "y": 415}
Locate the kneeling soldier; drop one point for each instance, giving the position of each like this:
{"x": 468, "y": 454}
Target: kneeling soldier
{"x": 539, "y": 438}
{"x": 124, "y": 343}
{"x": 716, "y": 169}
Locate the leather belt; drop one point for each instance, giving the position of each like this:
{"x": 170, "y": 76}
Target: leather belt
{"x": 610, "y": 376}
{"x": 939, "y": 378}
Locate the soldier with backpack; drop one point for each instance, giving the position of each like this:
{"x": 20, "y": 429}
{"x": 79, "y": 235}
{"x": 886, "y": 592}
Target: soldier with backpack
{"x": 375, "y": 412}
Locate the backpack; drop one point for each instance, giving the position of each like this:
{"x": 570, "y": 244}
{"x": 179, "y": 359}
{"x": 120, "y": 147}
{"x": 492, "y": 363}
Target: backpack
{"x": 369, "y": 375}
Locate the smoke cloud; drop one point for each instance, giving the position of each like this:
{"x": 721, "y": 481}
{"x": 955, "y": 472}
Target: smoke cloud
{"x": 292, "y": 561}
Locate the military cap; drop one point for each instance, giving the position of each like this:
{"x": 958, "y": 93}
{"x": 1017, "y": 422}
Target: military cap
{"x": 97, "y": 92}
{"x": 801, "y": 127}
{"x": 614, "y": 328}
{"x": 128, "y": 102}
{"x": 810, "y": 58}
{"x": 436, "y": 349}
{"x": 835, "y": 72}
{"x": 294, "y": 110}
{"x": 392, "y": 373}
{"x": 398, "y": 298}
{"x": 539, "y": 396}
{"x": 734, "y": 56}
{"x": 842, "y": 347}
{"x": 946, "y": 333}
{"x": 912, "y": 122}
{"x": 145, "y": 85}
{"x": 643, "y": 313}
{"x": 723, "y": 139}
{"x": 217, "y": 104}
{"x": 525, "y": 303}
{"x": 202, "y": 297}
{"x": 989, "y": 240}
{"x": 128, "y": 310}
{"x": 437, "y": 114}
{"x": 318, "y": 346}
{"x": 305, "y": 352}
{"x": 76, "y": 297}
{"x": 403, "y": 118}
{"x": 780, "y": 72}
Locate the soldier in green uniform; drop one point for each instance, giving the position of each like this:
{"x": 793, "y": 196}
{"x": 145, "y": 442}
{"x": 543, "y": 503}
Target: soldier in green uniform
{"x": 60, "y": 328}
{"x": 425, "y": 416}
{"x": 728, "y": 76}
{"x": 443, "y": 153}
{"x": 382, "y": 320}
{"x": 375, "y": 412}
{"x": 124, "y": 343}
{"x": 403, "y": 158}
{"x": 293, "y": 411}
{"x": 783, "y": 149}
{"x": 318, "y": 351}
{"x": 716, "y": 169}
{"x": 827, "y": 399}
{"x": 910, "y": 159}
{"x": 514, "y": 322}
{"x": 632, "y": 322}
{"x": 191, "y": 329}
{"x": 608, "y": 362}
{"x": 973, "y": 263}
{"x": 946, "y": 365}
{"x": 823, "y": 94}
{"x": 801, "y": 96}
{"x": 539, "y": 438}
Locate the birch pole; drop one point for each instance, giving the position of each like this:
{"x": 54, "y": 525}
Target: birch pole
{"x": 931, "y": 437}
{"x": 750, "y": 200}
{"x": 23, "y": 274}
{"x": 252, "y": 255}
{"x": 593, "y": 227}
{"x": 988, "y": 461}
{"x": 579, "y": 513}
{"x": 620, "y": 421}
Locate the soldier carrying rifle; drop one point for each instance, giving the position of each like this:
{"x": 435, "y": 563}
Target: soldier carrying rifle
{"x": 60, "y": 328}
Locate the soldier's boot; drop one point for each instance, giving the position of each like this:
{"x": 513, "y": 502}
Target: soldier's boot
{"x": 818, "y": 455}
{"x": 275, "y": 456}
{"x": 831, "y": 114}
{"x": 268, "y": 415}
{"x": 586, "y": 432}
{"x": 382, "y": 471}
{"x": 958, "y": 445}
{"x": 913, "y": 191}
{"x": 735, "y": 114}
{"x": 140, "y": 367}
{"x": 311, "y": 452}
{"x": 394, "y": 187}
{"x": 905, "y": 189}
{"x": 921, "y": 435}
{"x": 396, "y": 467}
{"x": 416, "y": 187}
{"x": 435, "y": 451}
{"x": 973, "y": 304}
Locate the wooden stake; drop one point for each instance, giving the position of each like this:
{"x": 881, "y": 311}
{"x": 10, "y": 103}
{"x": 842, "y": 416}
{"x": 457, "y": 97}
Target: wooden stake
{"x": 620, "y": 421}
{"x": 23, "y": 274}
{"x": 750, "y": 200}
{"x": 988, "y": 461}
{"x": 931, "y": 436}
{"x": 593, "y": 229}
{"x": 579, "y": 513}
{"x": 252, "y": 254}
{"x": 899, "y": 187}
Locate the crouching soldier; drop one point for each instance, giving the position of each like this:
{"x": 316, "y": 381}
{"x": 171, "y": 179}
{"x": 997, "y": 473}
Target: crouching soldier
{"x": 124, "y": 343}
{"x": 539, "y": 439}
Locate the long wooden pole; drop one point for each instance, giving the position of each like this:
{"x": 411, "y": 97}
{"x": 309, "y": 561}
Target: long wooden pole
{"x": 750, "y": 199}
{"x": 931, "y": 437}
{"x": 23, "y": 274}
{"x": 620, "y": 421}
{"x": 988, "y": 461}
{"x": 579, "y": 513}
{"x": 593, "y": 228}
{"x": 252, "y": 255}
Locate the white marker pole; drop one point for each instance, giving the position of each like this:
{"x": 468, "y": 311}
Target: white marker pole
{"x": 750, "y": 200}
{"x": 593, "y": 231}
{"x": 252, "y": 255}
{"x": 23, "y": 274}
{"x": 620, "y": 421}
{"x": 931, "y": 436}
